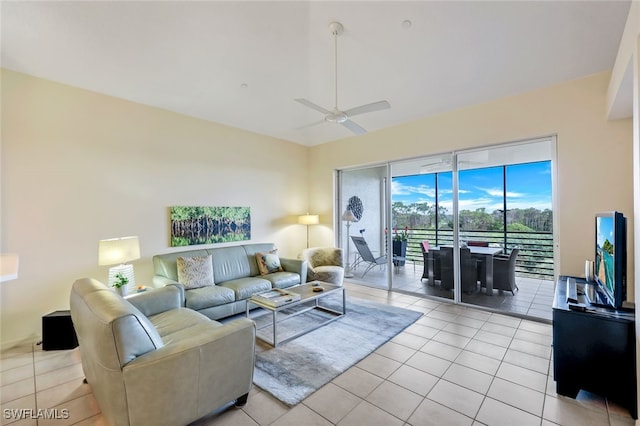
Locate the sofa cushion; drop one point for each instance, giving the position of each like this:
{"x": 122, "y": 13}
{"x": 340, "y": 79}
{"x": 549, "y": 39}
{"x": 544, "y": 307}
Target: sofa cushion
{"x": 328, "y": 274}
{"x": 165, "y": 264}
{"x": 190, "y": 332}
{"x": 244, "y": 288}
{"x": 206, "y": 297}
{"x": 230, "y": 263}
{"x": 195, "y": 272}
{"x": 251, "y": 250}
{"x": 283, "y": 279}
{"x": 171, "y": 321}
{"x": 269, "y": 262}
{"x": 325, "y": 257}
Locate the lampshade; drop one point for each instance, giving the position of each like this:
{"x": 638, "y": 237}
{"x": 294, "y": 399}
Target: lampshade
{"x": 348, "y": 216}
{"x": 118, "y": 250}
{"x": 308, "y": 219}
{"x": 8, "y": 267}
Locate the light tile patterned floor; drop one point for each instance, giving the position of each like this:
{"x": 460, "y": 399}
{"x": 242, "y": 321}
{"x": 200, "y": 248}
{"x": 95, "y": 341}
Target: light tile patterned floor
{"x": 534, "y": 297}
{"x": 454, "y": 366}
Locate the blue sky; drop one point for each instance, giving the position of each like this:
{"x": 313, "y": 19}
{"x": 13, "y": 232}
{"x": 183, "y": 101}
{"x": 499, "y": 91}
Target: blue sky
{"x": 605, "y": 230}
{"x": 528, "y": 185}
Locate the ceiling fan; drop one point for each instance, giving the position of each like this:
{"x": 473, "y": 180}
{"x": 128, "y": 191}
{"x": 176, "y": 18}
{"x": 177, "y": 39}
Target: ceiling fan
{"x": 336, "y": 115}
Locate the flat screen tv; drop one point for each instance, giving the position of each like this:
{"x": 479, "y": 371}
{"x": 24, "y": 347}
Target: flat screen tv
{"x": 610, "y": 266}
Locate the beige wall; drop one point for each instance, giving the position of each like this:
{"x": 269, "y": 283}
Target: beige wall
{"x": 594, "y": 156}
{"x": 78, "y": 167}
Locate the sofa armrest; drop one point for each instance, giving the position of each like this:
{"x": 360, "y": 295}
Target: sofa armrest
{"x": 295, "y": 265}
{"x": 154, "y": 301}
{"x": 203, "y": 371}
{"x": 160, "y": 281}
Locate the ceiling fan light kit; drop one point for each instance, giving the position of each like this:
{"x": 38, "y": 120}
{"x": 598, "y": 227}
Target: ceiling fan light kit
{"x": 336, "y": 115}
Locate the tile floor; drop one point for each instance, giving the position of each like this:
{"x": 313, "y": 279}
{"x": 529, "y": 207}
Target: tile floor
{"x": 534, "y": 297}
{"x": 454, "y": 366}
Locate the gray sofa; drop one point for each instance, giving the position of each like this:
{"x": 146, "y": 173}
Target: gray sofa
{"x": 150, "y": 361}
{"x": 236, "y": 276}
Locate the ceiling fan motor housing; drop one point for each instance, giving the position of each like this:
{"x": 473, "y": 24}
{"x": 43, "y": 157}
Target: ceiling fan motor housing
{"x": 336, "y": 117}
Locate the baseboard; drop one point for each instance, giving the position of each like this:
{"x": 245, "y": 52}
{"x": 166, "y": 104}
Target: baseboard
{"x": 24, "y": 342}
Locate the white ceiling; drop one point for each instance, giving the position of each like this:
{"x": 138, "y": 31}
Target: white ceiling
{"x": 195, "y": 57}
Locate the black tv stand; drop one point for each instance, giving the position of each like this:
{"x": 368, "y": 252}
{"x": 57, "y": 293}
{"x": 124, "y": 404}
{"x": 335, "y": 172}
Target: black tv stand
{"x": 593, "y": 349}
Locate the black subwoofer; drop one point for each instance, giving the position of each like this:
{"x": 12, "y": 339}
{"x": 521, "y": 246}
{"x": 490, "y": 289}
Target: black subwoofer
{"x": 58, "y": 332}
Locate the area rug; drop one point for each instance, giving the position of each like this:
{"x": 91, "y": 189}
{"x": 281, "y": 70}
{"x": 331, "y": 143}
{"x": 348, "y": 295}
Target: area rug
{"x": 297, "y": 368}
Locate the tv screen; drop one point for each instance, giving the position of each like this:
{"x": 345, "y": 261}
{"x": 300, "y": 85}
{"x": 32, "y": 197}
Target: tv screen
{"x": 610, "y": 259}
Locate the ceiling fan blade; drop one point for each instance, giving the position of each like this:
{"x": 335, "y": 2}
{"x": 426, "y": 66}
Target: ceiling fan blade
{"x": 375, "y": 106}
{"x": 312, "y": 106}
{"x": 306, "y": 126}
{"x": 354, "y": 127}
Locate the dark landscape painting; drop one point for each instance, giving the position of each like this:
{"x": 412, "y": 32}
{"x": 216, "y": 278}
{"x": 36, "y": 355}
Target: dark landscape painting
{"x": 207, "y": 225}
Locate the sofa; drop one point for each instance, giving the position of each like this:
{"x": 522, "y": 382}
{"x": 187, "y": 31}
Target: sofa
{"x": 324, "y": 264}
{"x": 236, "y": 276}
{"x": 150, "y": 361}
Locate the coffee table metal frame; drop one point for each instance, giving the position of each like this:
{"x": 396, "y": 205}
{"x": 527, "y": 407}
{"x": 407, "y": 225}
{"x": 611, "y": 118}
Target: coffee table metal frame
{"x": 306, "y": 295}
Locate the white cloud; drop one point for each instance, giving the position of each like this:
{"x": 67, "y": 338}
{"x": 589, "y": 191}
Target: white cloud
{"x": 398, "y": 189}
{"x": 498, "y": 192}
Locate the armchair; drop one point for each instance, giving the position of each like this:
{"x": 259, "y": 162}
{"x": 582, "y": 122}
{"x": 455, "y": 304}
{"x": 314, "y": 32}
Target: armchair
{"x": 504, "y": 271}
{"x": 366, "y": 255}
{"x": 149, "y": 361}
{"x": 468, "y": 266}
{"x": 324, "y": 264}
{"x": 424, "y": 246}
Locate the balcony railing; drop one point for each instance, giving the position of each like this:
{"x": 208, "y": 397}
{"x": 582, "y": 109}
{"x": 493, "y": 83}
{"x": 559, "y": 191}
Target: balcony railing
{"x": 535, "y": 258}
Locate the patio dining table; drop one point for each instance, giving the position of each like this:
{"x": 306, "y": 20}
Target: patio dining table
{"x": 485, "y": 253}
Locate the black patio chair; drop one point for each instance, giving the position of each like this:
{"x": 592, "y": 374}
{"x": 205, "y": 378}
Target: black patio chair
{"x": 504, "y": 271}
{"x": 468, "y": 266}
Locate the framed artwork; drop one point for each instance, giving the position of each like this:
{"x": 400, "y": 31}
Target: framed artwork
{"x": 209, "y": 225}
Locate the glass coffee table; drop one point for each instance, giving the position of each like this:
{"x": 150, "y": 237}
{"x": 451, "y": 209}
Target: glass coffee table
{"x": 307, "y": 297}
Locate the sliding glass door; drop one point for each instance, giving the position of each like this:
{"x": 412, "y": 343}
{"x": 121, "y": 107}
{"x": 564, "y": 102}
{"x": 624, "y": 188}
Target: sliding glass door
{"x": 456, "y": 226}
{"x": 421, "y": 220}
{"x": 505, "y": 218}
{"x": 362, "y": 216}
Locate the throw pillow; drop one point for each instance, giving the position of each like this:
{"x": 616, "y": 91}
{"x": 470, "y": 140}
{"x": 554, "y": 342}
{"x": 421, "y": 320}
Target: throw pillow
{"x": 268, "y": 263}
{"x": 195, "y": 272}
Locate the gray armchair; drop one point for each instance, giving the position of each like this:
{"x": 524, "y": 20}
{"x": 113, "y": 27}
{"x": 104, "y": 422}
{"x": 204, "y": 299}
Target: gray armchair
{"x": 324, "y": 264}
{"x": 504, "y": 271}
{"x": 149, "y": 361}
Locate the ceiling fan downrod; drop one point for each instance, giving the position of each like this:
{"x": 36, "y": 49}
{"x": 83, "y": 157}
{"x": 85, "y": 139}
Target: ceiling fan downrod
{"x": 336, "y": 116}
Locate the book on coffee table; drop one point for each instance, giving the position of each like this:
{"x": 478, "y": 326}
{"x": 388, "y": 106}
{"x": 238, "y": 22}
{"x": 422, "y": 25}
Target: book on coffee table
{"x": 276, "y": 297}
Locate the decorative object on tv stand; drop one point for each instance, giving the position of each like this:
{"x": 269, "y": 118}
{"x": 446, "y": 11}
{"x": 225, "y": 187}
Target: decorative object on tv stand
{"x": 348, "y": 217}
{"x": 118, "y": 251}
{"x": 308, "y": 219}
{"x": 588, "y": 270}
{"x": 8, "y": 267}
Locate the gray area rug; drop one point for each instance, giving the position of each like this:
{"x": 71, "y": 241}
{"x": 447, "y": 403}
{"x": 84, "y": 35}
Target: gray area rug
{"x": 296, "y": 369}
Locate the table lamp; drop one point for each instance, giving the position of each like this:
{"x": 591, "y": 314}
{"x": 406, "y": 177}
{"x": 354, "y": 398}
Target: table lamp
{"x": 308, "y": 219}
{"x": 117, "y": 251}
{"x": 8, "y": 267}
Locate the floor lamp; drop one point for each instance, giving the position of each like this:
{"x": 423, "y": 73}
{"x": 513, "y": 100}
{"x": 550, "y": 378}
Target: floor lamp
{"x": 348, "y": 217}
{"x": 308, "y": 219}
